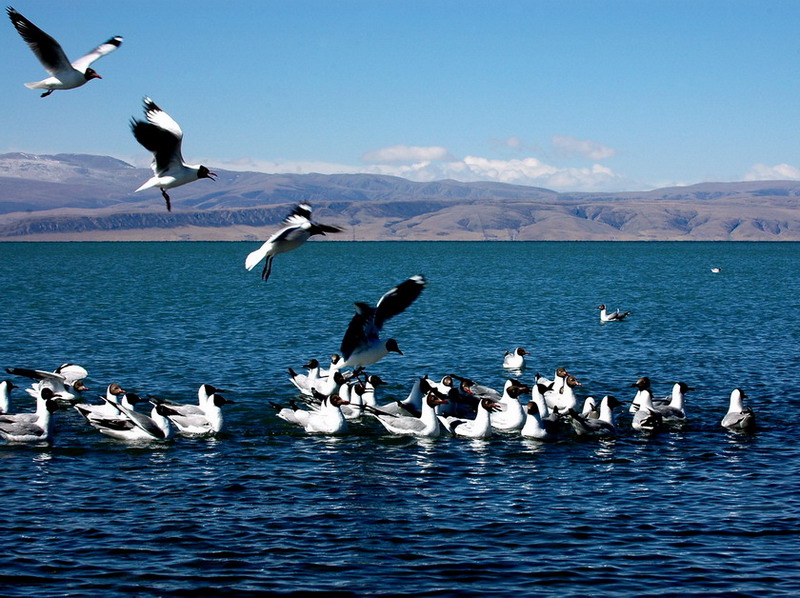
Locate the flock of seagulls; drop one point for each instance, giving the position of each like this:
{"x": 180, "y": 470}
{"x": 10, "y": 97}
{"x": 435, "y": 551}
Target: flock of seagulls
{"x": 114, "y": 416}
{"x": 332, "y": 401}
{"x": 329, "y": 400}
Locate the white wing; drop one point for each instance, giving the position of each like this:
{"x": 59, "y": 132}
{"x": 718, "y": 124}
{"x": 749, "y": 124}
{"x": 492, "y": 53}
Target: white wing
{"x": 82, "y": 63}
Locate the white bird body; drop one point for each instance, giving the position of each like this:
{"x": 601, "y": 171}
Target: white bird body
{"x": 66, "y": 381}
{"x": 63, "y": 74}
{"x": 131, "y": 426}
{"x": 204, "y": 394}
{"x": 300, "y": 228}
{"x": 361, "y": 345}
{"x": 511, "y": 415}
{"x": 603, "y": 425}
{"x": 412, "y": 404}
{"x": 306, "y": 382}
{"x": 646, "y": 419}
{"x": 328, "y": 419}
{"x": 739, "y": 418}
{"x": 30, "y": 427}
{"x": 515, "y": 360}
{"x": 427, "y": 425}
{"x": 6, "y": 386}
{"x": 563, "y": 399}
{"x": 673, "y": 413}
{"x": 480, "y": 427}
{"x": 106, "y": 410}
{"x": 162, "y": 136}
{"x": 536, "y": 425}
{"x": 207, "y": 424}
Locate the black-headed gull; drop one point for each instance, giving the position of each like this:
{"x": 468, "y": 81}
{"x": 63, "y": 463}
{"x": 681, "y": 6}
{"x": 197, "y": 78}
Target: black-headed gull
{"x": 66, "y": 380}
{"x": 63, "y": 74}
{"x": 206, "y": 424}
{"x": 427, "y": 425}
{"x": 114, "y": 394}
{"x": 130, "y": 425}
{"x": 646, "y": 418}
{"x": 511, "y": 416}
{"x": 739, "y": 418}
{"x": 299, "y": 229}
{"x": 162, "y": 136}
{"x": 480, "y": 427}
{"x": 361, "y": 345}
{"x": 327, "y": 419}
{"x": 515, "y": 360}
{"x": 31, "y": 427}
{"x": 673, "y": 413}
{"x": 536, "y": 426}
{"x": 614, "y": 316}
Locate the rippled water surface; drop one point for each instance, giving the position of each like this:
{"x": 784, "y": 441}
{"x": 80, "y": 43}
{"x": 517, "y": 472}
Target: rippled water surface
{"x": 263, "y": 508}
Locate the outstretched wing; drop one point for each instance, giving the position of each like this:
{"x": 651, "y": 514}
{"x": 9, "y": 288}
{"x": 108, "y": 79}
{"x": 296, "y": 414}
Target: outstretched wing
{"x": 36, "y": 374}
{"x": 360, "y": 330}
{"x": 105, "y": 48}
{"x": 160, "y": 135}
{"x": 398, "y": 299}
{"x": 47, "y": 50}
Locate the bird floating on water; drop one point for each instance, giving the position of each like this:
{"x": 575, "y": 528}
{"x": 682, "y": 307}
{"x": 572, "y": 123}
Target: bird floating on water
{"x": 515, "y": 360}
{"x": 299, "y": 229}
{"x": 163, "y": 136}
{"x": 739, "y": 418}
{"x": 63, "y": 74}
{"x": 614, "y": 316}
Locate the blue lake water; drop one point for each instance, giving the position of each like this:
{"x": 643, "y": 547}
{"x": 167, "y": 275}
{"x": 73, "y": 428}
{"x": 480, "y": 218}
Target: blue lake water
{"x": 263, "y": 508}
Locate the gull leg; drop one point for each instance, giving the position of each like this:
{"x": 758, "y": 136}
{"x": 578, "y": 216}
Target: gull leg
{"x": 166, "y": 197}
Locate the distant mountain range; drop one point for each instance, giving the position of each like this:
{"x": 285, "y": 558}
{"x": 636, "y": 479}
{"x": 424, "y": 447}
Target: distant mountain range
{"x": 85, "y": 197}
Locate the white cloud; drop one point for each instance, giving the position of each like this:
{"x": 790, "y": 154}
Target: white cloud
{"x": 571, "y": 147}
{"x": 525, "y": 171}
{"x": 407, "y": 153}
{"x": 779, "y": 172}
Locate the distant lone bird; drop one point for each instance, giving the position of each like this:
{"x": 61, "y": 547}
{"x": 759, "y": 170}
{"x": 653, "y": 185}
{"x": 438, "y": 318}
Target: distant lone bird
{"x": 614, "y": 316}
{"x": 162, "y": 136}
{"x": 63, "y": 74}
{"x": 361, "y": 345}
{"x": 300, "y": 228}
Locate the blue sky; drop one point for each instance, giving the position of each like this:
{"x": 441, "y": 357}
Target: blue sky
{"x": 565, "y": 94}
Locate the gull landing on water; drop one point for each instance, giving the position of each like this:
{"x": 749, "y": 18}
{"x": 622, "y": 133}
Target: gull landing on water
{"x": 163, "y": 136}
{"x": 63, "y": 74}
{"x": 361, "y": 345}
{"x": 300, "y": 228}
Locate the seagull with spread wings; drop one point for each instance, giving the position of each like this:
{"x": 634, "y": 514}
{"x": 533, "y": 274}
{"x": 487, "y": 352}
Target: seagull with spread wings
{"x": 63, "y": 73}
{"x": 162, "y": 136}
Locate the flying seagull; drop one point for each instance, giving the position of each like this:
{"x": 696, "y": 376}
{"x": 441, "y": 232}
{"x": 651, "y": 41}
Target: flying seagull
{"x": 361, "y": 345}
{"x": 300, "y": 228}
{"x": 63, "y": 74}
{"x": 162, "y": 136}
